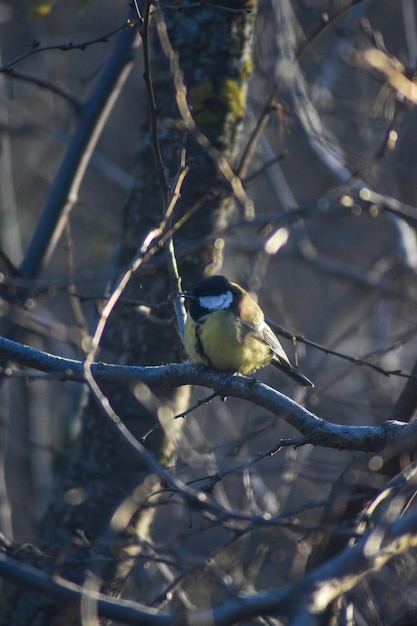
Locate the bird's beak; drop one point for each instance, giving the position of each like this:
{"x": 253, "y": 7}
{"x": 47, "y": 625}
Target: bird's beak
{"x": 187, "y": 295}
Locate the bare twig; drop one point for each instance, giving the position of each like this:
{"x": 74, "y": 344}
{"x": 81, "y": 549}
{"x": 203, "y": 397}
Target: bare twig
{"x": 308, "y": 597}
{"x": 36, "y": 48}
{"x": 190, "y": 409}
{"x": 392, "y": 70}
{"x": 153, "y": 112}
{"x": 396, "y": 343}
{"x": 57, "y": 588}
{"x": 64, "y": 192}
{"x": 213, "y": 479}
{"x": 181, "y": 97}
{"x": 169, "y": 197}
{"x": 327, "y": 22}
{"x": 409, "y": 19}
{"x": 253, "y": 139}
{"x": 173, "y": 273}
{"x": 312, "y": 594}
{"x": 13, "y": 73}
{"x": 71, "y": 289}
{"x": 201, "y": 4}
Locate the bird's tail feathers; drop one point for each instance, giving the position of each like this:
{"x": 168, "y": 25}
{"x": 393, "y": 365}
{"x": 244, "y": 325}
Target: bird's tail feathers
{"x": 292, "y": 372}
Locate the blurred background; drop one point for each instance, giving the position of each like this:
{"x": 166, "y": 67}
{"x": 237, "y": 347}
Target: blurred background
{"x": 342, "y": 275}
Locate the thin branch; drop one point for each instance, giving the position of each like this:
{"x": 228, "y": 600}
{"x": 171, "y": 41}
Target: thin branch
{"x": 74, "y": 302}
{"x": 409, "y": 19}
{"x": 199, "y": 4}
{"x": 392, "y": 70}
{"x": 309, "y": 596}
{"x": 190, "y": 409}
{"x": 44, "y": 84}
{"x": 197, "y": 405}
{"x": 64, "y": 192}
{"x": 327, "y": 22}
{"x": 325, "y": 207}
{"x": 397, "y": 342}
{"x": 264, "y": 168}
{"x": 153, "y": 111}
{"x": 150, "y": 245}
{"x": 213, "y": 479}
{"x": 315, "y": 430}
{"x": 124, "y": 611}
{"x": 173, "y": 272}
{"x": 250, "y": 147}
{"x": 404, "y": 211}
{"x": 293, "y": 84}
{"x": 171, "y": 196}
{"x": 36, "y": 48}
{"x": 406, "y": 405}
{"x": 188, "y": 123}
{"x": 312, "y": 594}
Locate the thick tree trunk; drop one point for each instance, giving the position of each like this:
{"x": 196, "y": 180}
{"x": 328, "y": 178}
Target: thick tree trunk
{"x": 99, "y": 472}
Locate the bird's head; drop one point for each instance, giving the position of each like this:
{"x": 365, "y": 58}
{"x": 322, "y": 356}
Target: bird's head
{"x": 212, "y": 294}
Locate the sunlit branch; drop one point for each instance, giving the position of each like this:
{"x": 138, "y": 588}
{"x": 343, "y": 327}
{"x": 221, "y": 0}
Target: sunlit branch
{"x": 315, "y": 430}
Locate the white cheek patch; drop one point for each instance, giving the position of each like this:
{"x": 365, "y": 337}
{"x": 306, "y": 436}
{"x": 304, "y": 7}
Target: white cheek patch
{"x": 215, "y": 303}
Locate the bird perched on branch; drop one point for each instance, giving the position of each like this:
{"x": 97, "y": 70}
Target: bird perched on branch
{"x": 226, "y": 330}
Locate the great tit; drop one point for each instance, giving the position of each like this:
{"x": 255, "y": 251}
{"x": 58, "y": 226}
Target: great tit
{"x": 226, "y": 330}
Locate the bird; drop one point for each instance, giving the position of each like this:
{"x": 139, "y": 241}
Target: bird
{"x": 226, "y": 330}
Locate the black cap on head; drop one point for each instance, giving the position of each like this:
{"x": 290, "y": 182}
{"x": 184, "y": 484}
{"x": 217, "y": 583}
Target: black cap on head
{"x": 212, "y": 286}
{"x": 211, "y": 294}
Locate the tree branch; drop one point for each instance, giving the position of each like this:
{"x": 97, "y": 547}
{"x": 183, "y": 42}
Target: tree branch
{"x": 57, "y": 588}
{"x": 312, "y": 594}
{"x": 313, "y": 428}
{"x": 64, "y": 192}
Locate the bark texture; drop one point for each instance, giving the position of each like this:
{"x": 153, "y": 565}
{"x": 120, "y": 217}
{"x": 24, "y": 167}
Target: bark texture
{"x": 99, "y": 472}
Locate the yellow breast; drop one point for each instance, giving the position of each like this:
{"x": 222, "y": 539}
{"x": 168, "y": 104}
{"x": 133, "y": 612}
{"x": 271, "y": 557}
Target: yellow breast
{"x": 218, "y": 341}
